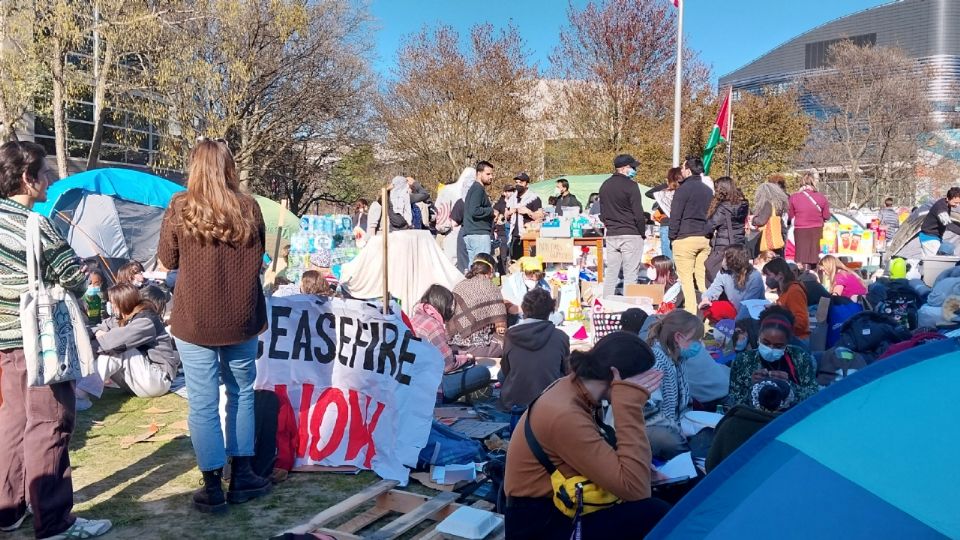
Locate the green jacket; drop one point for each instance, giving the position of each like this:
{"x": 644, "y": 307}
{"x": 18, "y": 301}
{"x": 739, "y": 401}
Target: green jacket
{"x": 747, "y": 362}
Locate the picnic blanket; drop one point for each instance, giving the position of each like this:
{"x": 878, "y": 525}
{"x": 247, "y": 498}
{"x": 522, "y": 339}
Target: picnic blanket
{"x": 416, "y": 262}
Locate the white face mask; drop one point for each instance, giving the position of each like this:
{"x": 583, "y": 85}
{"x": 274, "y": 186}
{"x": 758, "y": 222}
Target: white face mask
{"x": 651, "y": 273}
{"x": 530, "y": 283}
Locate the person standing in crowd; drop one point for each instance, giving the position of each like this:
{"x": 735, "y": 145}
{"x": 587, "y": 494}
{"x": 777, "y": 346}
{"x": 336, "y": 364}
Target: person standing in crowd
{"x": 688, "y": 228}
{"x": 621, "y": 211}
{"x": 521, "y": 207}
{"x": 360, "y": 211}
{"x": 564, "y": 422}
{"x": 770, "y": 202}
{"x": 420, "y": 205}
{"x": 565, "y": 199}
{"x": 726, "y": 221}
{"x": 36, "y": 422}
{"x": 501, "y": 240}
{"x": 889, "y": 218}
{"x": 793, "y": 295}
{"x": 593, "y": 204}
{"x": 663, "y": 194}
{"x": 480, "y": 314}
{"x": 935, "y": 224}
{"x": 534, "y": 352}
{"x": 737, "y": 281}
{"x": 775, "y": 359}
{"x": 478, "y": 214}
{"x": 399, "y": 210}
{"x": 808, "y": 210}
{"x": 450, "y": 217}
{"x": 215, "y": 236}
{"x": 840, "y": 280}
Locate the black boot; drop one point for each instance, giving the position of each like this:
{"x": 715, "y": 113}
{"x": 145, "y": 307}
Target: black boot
{"x": 209, "y": 499}
{"x": 245, "y": 485}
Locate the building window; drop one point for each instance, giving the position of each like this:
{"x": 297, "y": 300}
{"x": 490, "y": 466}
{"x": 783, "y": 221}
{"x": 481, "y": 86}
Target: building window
{"x": 818, "y": 53}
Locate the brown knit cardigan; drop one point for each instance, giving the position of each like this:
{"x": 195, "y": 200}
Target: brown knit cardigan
{"x": 219, "y": 299}
{"x": 478, "y": 303}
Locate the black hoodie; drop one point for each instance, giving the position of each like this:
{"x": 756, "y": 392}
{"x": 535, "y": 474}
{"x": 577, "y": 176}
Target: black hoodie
{"x": 534, "y": 355}
{"x": 738, "y": 425}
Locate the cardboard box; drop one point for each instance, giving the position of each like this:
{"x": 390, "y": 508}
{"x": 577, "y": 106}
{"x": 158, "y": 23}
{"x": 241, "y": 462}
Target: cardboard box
{"x": 651, "y": 291}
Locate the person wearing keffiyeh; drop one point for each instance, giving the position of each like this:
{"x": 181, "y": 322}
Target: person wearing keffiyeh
{"x": 480, "y": 315}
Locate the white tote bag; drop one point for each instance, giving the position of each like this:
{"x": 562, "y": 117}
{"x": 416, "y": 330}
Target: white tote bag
{"x": 55, "y": 339}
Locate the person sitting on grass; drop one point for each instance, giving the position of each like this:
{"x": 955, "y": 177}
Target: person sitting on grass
{"x": 792, "y": 295}
{"x": 737, "y": 281}
{"x": 134, "y": 349}
{"x": 479, "y": 315}
{"x": 632, "y": 321}
{"x": 774, "y": 359}
{"x": 132, "y": 273}
{"x": 534, "y": 352}
{"x": 768, "y": 398}
{"x": 313, "y": 282}
{"x": 518, "y": 284}
{"x": 564, "y": 422}
{"x": 428, "y": 322}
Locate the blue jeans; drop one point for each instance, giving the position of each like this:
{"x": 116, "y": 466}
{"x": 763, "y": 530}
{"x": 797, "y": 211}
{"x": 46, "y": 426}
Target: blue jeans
{"x": 203, "y": 368}
{"x": 665, "y": 241}
{"x": 476, "y": 244}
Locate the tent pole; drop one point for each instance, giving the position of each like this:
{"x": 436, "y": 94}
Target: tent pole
{"x": 93, "y": 244}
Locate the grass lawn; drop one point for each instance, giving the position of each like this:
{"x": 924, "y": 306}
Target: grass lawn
{"x": 145, "y": 489}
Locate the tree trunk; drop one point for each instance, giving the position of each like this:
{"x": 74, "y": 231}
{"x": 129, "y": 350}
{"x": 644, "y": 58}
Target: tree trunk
{"x": 99, "y": 101}
{"x": 60, "y": 106}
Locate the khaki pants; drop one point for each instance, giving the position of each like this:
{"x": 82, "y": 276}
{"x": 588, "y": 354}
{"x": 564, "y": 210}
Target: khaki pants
{"x": 690, "y": 255}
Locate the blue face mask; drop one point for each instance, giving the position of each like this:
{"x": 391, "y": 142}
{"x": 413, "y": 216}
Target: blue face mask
{"x": 691, "y": 351}
{"x": 769, "y": 354}
{"x": 741, "y": 345}
{"x": 93, "y": 290}
{"x": 631, "y": 173}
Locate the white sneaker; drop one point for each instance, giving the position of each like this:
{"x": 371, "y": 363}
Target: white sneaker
{"x": 19, "y": 522}
{"x": 83, "y": 528}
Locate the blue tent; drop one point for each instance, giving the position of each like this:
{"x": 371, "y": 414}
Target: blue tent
{"x": 114, "y": 214}
{"x": 872, "y": 456}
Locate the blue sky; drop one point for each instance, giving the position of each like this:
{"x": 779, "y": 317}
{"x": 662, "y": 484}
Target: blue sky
{"x": 754, "y": 26}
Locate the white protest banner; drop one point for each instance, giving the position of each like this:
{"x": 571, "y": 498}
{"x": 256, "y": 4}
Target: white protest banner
{"x": 361, "y": 386}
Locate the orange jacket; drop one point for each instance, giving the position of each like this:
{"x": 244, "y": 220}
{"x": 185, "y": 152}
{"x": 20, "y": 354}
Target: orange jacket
{"x": 795, "y": 299}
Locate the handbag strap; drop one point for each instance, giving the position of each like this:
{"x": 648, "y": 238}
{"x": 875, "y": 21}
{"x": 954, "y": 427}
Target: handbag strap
{"x": 534, "y": 444}
{"x": 807, "y": 193}
{"x": 33, "y": 248}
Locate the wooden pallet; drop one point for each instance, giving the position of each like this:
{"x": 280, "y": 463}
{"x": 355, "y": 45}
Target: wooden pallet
{"x": 415, "y": 509}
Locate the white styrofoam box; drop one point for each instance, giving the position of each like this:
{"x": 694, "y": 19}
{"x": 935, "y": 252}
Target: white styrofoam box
{"x": 471, "y": 523}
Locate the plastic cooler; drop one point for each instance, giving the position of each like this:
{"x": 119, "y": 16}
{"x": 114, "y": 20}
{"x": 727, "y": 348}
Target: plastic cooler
{"x": 935, "y": 265}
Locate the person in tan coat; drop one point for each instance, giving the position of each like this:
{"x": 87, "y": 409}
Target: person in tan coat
{"x": 566, "y": 421}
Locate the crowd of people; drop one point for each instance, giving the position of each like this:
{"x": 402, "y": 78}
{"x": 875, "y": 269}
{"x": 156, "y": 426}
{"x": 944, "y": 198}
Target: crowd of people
{"x": 607, "y": 414}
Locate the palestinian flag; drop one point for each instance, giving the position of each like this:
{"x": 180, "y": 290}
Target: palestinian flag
{"x": 721, "y": 132}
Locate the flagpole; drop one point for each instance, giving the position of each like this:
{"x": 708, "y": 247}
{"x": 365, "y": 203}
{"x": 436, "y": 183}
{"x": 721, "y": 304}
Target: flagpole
{"x": 677, "y": 89}
{"x": 730, "y": 131}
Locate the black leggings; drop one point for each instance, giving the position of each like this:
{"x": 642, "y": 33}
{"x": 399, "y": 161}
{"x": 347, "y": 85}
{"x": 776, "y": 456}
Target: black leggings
{"x": 539, "y": 519}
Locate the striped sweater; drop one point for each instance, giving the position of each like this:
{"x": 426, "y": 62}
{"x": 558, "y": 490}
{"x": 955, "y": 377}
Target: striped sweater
{"x": 60, "y": 265}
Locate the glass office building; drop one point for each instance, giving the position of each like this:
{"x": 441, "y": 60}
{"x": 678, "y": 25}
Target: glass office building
{"x": 926, "y": 30}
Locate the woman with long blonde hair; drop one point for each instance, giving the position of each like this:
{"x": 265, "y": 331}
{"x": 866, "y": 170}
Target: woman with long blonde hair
{"x": 839, "y": 279}
{"x": 214, "y": 235}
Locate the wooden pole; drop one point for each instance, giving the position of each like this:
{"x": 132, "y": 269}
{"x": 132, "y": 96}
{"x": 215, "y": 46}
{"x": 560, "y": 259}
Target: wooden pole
{"x": 385, "y": 229}
{"x": 276, "y": 245}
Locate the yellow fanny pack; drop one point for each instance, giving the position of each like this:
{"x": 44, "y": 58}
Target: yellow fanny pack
{"x": 575, "y": 496}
